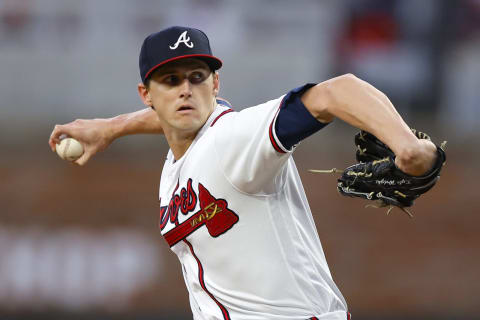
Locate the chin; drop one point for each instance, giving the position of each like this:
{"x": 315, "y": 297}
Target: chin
{"x": 192, "y": 126}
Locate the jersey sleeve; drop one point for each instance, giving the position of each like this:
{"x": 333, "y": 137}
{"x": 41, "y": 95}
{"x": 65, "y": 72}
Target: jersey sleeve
{"x": 253, "y": 145}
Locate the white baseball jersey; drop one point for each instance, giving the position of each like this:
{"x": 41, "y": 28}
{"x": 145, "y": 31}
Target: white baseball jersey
{"x": 234, "y": 211}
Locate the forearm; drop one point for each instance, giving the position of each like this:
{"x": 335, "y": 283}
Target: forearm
{"x": 363, "y": 106}
{"x": 138, "y": 122}
{"x": 97, "y": 134}
{"x": 360, "y": 105}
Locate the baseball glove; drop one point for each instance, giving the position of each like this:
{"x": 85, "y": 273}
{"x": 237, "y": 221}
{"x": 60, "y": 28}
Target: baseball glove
{"x": 377, "y": 178}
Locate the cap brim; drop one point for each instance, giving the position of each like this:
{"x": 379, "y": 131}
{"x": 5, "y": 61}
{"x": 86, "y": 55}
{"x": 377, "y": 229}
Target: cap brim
{"x": 213, "y": 62}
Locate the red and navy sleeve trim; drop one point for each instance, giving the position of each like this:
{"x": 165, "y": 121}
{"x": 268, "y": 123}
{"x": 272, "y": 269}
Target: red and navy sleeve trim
{"x": 293, "y": 122}
{"x": 272, "y": 136}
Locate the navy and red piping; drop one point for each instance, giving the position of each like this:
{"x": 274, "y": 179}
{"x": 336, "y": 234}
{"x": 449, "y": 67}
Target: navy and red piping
{"x": 270, "y": 131}
{"x": 221, "y": 115}
{"x": 226, "y": 315}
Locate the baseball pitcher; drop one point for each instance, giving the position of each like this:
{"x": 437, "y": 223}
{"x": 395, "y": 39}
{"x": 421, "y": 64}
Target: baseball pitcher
{"x": 232, "y": 206}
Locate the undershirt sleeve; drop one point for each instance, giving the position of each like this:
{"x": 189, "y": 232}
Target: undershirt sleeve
{"x": 294, "y": 122}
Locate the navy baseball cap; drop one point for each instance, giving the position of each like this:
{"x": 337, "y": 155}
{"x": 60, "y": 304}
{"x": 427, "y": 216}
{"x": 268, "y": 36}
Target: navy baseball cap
{"x": 172, "y": 44}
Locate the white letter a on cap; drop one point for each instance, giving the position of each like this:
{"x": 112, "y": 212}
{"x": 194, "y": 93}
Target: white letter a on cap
{"x": 182, "y": 39}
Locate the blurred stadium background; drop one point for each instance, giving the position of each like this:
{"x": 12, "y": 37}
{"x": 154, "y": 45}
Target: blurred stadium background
{"x": 82, "y": 243}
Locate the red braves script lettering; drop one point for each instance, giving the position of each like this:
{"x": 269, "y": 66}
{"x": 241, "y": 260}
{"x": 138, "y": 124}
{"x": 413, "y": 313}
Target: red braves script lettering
{"x": 213, "y": 213}
{"x": 185, "y": 202}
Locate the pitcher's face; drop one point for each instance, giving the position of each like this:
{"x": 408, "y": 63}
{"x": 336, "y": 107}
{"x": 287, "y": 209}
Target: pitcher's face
{"x": 183, "y": 94}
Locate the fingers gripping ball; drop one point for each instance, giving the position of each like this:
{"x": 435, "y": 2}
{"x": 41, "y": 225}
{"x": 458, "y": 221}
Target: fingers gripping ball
{"x": 69, "y": 149}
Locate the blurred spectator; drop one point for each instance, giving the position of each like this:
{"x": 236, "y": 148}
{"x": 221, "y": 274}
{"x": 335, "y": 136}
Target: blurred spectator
{"x": 392, "y": 45}
{"x": 461, "y": 86}
{"x": 15, "y": 17}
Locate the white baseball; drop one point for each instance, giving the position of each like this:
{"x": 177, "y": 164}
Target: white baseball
{"x": 69, "y": 149}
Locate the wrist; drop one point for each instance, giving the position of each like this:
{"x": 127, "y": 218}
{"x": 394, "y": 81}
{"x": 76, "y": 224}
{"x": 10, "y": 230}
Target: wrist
{"x": 406, "y": 146}
{"x": 114, "y": 128}
{"x": 408, "y": 152}
{"x": 418, "y": 158}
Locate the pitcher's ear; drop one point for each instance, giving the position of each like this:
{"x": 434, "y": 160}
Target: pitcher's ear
{"x": 145, "y": 95}
{"x": 216, "y": 83}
